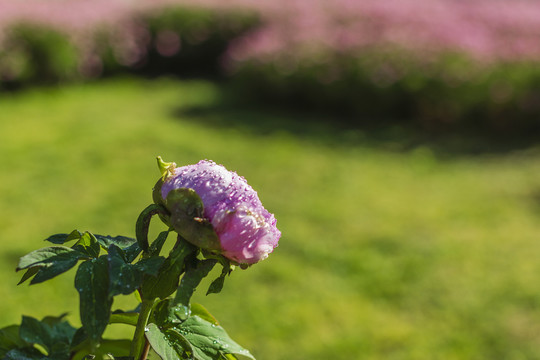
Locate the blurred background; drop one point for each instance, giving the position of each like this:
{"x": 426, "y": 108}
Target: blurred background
{"x": 397, "y": 143}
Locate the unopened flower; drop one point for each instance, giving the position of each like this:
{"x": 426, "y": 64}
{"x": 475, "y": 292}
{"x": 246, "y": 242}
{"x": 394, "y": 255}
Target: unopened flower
{"x": 245, "y": 230}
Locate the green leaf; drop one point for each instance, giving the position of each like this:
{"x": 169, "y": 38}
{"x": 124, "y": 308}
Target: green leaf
{"x": 28, "y": 353}
{"x": 92, "y": 283}
{"x": 187, "y": 218}
{"x": 168, "y": 344}
{"x": 51, "y": 261}
{"x": 79, "y": 337}
{"x": 120, "y": 349}
{"x": 52, "y": 333}
{"x": 124, "y": 278}
{"x": 87, "y": 244}
{"x": 217, "y": 285}
{"x": 200, "y": 311}
{"x": 34, "y": 331}
{"x": 157, "y": 245}
{"x": 48, "y": 272}
{"x": 209, "y": 341}
{"x": 191, "y": 279}
{"x": 28, "y": 274}
{"x": 122, "y": 242}
{"x": 150, "y": 266}
{"x": 166, "y": 314}
{"x": 60, "y": 329}
{"x": 128, "y": 245}
{"x": 131, "y": 252}
{"x": 169, "y": 273}
{"x": 129, "y": 318}
{"x": 160, "y": 313}
{"x": 10, "y": 339}
{"x": 143, "y": 223}
{"x": 46, "y": 256}
{"x": 63, "y": 238}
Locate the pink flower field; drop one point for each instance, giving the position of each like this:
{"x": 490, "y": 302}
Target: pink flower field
{"x": 488, "y": 30}
{"x": 484, "y": 29}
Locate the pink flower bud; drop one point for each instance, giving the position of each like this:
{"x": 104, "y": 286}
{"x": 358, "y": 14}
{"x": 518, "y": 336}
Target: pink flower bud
{"x": 247, "y": 232}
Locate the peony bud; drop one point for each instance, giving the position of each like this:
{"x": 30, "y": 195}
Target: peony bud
{"x": 237, "y": 225}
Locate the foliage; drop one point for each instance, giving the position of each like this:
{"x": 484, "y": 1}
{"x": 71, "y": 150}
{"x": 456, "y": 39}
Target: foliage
{"x": 36, "y": 54}
{"x": 163, "y": 324}
{"x": 448, "y": 94}
{"x": 43, "y": 46}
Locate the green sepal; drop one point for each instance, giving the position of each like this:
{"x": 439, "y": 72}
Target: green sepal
{"x": 169, "y": 273}
{"x": 92, "y": 283}
{"x": 165, "y": 168}
{"x": 143, "y": 223}
{"x": 51, "y": 261}
{"x": 187, "y": 218}
{"x": 156, "y": 192}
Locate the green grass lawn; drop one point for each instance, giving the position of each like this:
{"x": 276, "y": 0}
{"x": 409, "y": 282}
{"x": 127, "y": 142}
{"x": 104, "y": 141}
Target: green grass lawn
{"x": 385, "y": 254}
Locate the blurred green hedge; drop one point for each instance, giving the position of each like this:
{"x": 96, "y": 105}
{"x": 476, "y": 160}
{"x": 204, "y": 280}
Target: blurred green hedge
{"x": 453, "y": 92}
{"x": 175, "y": 40}
{"x": 368, "y": 87}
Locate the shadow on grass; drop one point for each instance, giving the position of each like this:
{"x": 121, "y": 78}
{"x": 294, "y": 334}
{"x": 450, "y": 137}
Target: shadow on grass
{"x": 230, "y": 110}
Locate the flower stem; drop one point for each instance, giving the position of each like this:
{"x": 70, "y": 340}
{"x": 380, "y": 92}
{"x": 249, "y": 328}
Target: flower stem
{"x": 138, "y": 344}
{"x": 146, "y": 349}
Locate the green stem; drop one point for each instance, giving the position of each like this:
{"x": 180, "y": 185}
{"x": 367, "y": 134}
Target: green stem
{"x": 137, "y": 346}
